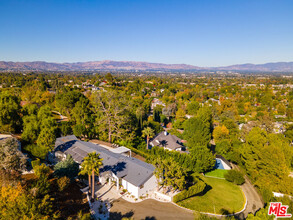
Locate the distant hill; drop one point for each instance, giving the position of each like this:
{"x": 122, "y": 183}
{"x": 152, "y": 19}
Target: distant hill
{"x": 269, "y": 67}
{"x": 93, "y": 65}
{"x": 133, "y": 65}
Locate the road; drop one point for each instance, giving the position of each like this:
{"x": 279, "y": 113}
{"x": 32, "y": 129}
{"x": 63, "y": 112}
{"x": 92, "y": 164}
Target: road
{"x": 254, "y": 201}
{"x": 148, "y": 209}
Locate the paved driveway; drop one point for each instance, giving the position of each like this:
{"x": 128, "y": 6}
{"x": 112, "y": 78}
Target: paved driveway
{"x": 107, "y": 193}
{"x": 254, "y": 201}
{"x": 148, "y": 209}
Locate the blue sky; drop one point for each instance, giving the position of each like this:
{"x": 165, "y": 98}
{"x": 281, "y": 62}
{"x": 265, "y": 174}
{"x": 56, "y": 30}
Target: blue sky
{"x": 203, "y": 33}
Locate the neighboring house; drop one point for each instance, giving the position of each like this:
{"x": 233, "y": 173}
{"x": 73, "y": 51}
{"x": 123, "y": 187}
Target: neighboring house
{"x": 168, "y": 141}
{"x": 222, "y": 163}
{"x": 103, "y": 83}
{"x": 213, "y": 100}
{"x": 156, "y": 102}
{"x": 136, "y": 176}
{"x": 189, "y": 116}
{"x": 278, "y": 127}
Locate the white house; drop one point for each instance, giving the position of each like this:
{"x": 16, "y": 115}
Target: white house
{"x": 136, "y": 176}
{"x": 156, "y": 102}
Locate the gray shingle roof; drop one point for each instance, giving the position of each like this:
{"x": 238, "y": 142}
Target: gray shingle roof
{"x": 168, "y": 141}
{"x": 130, "y": 169}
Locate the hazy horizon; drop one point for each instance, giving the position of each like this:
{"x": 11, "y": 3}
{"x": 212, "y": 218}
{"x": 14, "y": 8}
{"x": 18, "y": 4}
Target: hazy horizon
{"x": 143, "y": 62}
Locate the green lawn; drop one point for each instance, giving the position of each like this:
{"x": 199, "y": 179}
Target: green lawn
{"x": 217, "y": 173}
{"x": 220, "y": 197}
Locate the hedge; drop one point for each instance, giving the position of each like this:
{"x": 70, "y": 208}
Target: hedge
{"x": 191, "y": 191}
{"x": 235, "y": 176}
{"x": 183, "y": 159}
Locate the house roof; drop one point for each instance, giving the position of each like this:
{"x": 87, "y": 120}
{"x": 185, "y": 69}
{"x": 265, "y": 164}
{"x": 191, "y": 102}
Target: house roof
{"x": 224, "y": 160}
{"x": 130, "y": 169}
{"x": 164, "y": 139}
{"x": 120, "y": 150}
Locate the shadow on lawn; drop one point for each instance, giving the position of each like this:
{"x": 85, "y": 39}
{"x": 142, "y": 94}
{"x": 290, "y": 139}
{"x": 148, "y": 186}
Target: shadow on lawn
{"x": 206, "y": 189}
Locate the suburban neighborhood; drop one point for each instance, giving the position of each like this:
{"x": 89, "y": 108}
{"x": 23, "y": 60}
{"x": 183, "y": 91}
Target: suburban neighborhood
{"x": 146, "y": 110}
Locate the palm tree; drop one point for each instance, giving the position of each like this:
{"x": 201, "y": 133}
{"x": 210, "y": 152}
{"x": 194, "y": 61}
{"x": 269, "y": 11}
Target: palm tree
{"x": 148, "y": 133}
{"x": 86, "y": 170}
{"x": 140, "y": 112}
{"x": 90, "y": 166}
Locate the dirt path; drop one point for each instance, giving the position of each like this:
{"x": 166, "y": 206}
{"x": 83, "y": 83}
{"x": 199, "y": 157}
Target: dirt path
{"x": 148, "y": 209}
{"x": 254, "y": 201}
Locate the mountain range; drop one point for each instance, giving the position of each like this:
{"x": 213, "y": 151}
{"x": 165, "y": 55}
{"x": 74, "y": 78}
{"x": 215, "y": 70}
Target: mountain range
{"x": 140, "y": 66}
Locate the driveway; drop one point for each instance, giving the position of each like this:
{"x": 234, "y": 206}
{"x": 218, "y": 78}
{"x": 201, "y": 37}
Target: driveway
{"x": 107, "y": 193}
{"x": 149, "y": 209}
{"x": 254, "y": 201}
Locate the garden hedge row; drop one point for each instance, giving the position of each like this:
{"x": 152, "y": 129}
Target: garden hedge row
{"x": 191, "y": 191}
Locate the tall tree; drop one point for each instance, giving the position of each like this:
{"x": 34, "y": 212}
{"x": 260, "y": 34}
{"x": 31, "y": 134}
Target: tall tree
{"x": 267, "y": 159}
{"x": 148, "y": 133}
{"x": 197, "y": 132}
{"x": 170, "y": 174}
{"x": 203, "y": 158}
{"x": 46, "y": 139}
{"x": 11, "y": 158}
{"x": 113, "y": 114}
{"x": 66, "y": 101}
{"x": 9, "y": 113}
{"x": 81, "y": 113}
{"x": 90, "y": 166}
{"x": 31, "y": 128}
{"x": 140, "y": 115}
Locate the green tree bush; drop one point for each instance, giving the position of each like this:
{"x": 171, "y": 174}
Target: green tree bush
{"x": 68, "y": 168}
{"x": 191, "y": 191}
{"x": 63, "y": 183}
{"x": 234, "y": 176}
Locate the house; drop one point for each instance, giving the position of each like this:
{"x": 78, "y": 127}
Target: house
{"x": 222, "y": 163}
{"x": 168, "y": 141}
{"x": 156, "y": 102}
{"x": 136, "y": 176}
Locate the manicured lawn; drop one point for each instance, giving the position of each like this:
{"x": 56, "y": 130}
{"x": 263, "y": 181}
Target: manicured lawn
{"x": 219, "y": 197}
{"x": 217, "y": 173}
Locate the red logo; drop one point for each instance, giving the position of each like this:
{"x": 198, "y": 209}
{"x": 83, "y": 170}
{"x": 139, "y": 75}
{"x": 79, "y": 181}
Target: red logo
{"x": 279, "y": 210}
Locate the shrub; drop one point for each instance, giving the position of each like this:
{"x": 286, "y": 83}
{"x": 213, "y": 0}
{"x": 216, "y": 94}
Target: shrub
{"x": 63, "y": 183}
{"x": 67, "y": 168}
{"x": 191, "y": 191}
{"x": 41, "y": 170}
{"x": 37, "y": 151}
{"x": 235, "y": 177}
{"x": 35, "y": 163}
